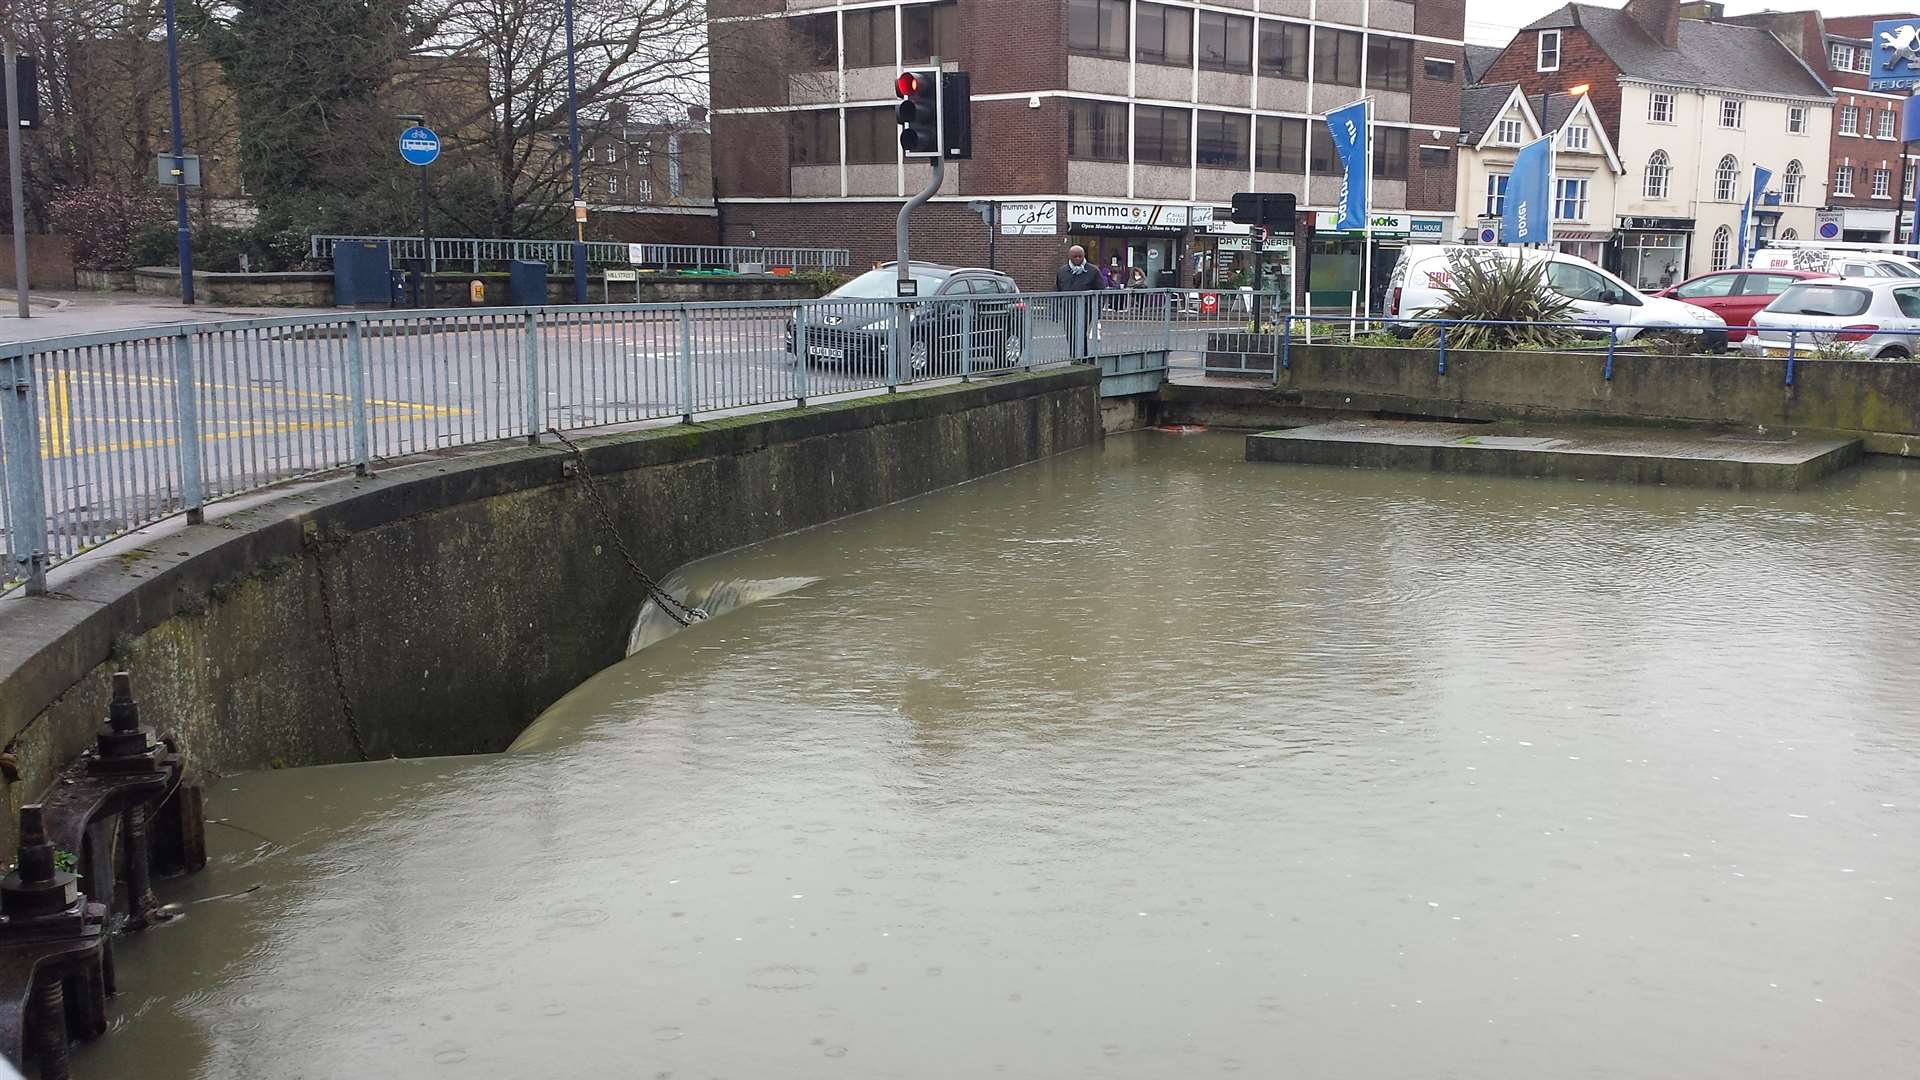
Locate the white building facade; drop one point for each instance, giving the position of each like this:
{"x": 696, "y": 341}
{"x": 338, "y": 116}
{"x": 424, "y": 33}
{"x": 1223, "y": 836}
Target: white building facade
{"x": 1587, "y": 171}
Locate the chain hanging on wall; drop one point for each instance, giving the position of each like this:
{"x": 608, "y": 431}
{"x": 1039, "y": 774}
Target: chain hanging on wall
{"x": 677, "y": 611}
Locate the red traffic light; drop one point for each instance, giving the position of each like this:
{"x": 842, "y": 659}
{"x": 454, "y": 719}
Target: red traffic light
{"x": 907, "y": 85}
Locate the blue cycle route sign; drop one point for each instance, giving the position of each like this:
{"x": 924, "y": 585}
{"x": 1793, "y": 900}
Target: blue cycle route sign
{"x": 419, "y": 146}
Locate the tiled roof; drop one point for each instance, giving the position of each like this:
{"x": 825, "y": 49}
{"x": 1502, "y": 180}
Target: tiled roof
{"x": 1708, "y": 54}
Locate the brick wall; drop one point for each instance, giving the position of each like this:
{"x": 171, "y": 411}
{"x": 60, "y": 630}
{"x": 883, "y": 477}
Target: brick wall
{"x": 1018, "y": 150}
{"x": 49, "y": 261}
{"x": 1014, "y": 45}
{"x": 638, "y": 228}
{"x": 1581, "y": 61}
{"x": 942, "y": 232}
{"x": 1431, "y": 187}
{"x": 1440, "y": 18}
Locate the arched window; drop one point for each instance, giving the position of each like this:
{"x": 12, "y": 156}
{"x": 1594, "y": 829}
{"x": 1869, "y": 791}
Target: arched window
{"x": 1658, "y": 168}
{"x": 1722, "y": 248}
{"x": 1723, "y": 178}
{"x": 1790, "y": 234}
{"x": 1790, "y": 182}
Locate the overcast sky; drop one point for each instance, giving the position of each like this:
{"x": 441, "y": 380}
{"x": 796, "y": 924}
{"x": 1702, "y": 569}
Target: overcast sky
{"x": 1492, "y": 22}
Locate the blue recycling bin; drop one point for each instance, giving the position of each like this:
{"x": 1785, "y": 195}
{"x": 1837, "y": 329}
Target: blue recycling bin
{"x": 362, "y": 272}
{"x": 527, "y": 283}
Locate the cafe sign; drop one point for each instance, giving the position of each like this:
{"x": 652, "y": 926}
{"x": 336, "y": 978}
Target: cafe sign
{"x": 1030, "y": 219}
{"x": 1142, "y": 217}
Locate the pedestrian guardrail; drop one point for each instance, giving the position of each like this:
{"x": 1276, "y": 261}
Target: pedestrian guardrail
{"x": 103, "y": 434}
{"x": 476, "y": 254}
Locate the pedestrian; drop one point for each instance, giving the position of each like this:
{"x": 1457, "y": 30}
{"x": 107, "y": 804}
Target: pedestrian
{"x": 1076, "y": 276}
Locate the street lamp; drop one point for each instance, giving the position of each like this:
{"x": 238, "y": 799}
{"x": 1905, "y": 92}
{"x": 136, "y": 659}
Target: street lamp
{"x": 179, "y": 162}
{"x": 573, "y": 144}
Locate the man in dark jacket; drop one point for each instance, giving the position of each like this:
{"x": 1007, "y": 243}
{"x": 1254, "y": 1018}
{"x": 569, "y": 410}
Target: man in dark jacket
{"x": 1078, "y": 275}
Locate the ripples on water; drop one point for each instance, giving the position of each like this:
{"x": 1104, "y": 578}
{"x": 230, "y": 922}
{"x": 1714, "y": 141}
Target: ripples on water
{"x": 1142, "y": 762}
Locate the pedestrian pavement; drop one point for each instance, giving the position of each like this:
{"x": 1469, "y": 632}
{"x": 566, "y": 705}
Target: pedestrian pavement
{"x": 62, "y": 314}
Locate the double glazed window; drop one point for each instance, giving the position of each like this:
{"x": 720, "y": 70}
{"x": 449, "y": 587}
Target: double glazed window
{"x": 1224, "y": 140}
{"x": 1097, "y": 28}
{"x": 1097, "y": 131}
{"x": 1389, "y": 153}
{"x": 1165, "y": 35}
{"x": 1161, "y": 135}
{"x": 1282, "y": 145}
{"x": 1226, "y": 42}
{"x": 814, "y": 137}
{"x": 869, "y": 37}
{"x": 929, "y": 30}
{"x": 1283, "y": 50}
{"x": 1389, "y": 63}
{"x": 873, "y": 138}
{"x": 1336, "y": 56}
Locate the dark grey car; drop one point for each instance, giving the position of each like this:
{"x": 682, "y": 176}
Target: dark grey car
{"x": 964, "y": 319}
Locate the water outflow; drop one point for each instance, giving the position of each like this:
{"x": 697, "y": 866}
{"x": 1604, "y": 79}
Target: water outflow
{"x": 716, "y": 598}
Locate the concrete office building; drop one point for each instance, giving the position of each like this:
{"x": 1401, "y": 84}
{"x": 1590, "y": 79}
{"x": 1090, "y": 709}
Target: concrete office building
{"x": 1122, "y": 125}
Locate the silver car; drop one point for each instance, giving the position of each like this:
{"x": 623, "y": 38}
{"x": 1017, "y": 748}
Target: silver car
{"x": 1864, "y": 317}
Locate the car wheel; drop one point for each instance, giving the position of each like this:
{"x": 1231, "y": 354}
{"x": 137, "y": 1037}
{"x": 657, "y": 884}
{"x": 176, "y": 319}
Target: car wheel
{"x": 1894, "y": 352}
{"x": 919, "y": 356}
{"x": 1012, "y": 350}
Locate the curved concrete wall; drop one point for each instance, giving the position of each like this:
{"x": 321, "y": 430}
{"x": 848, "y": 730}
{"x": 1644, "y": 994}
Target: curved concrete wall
{"x": 468, "y": 594}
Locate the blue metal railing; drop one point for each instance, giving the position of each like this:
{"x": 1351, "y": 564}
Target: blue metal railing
{"x": 103, "y": 434}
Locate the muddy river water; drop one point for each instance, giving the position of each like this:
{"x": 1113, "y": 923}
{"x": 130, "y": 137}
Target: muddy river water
{"x": 1141, "y": 762}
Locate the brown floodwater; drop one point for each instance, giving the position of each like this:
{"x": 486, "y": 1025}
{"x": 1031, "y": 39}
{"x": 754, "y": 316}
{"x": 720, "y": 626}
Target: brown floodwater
{"x": 1141, "y": 762}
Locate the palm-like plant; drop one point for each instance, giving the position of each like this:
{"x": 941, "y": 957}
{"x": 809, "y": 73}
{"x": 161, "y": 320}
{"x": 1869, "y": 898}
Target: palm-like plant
{"x": 1496, "y": 290}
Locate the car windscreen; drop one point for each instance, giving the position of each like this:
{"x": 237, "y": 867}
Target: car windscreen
{"x": 885, "y": 285}
{"x": 1899, "y": 269}
{"x": 1831, "y": 300}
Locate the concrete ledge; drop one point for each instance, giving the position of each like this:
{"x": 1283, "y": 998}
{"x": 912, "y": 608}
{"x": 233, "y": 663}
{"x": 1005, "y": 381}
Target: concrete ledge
{"x": 1689, "y": 458}
{"x": 468, "y": 593}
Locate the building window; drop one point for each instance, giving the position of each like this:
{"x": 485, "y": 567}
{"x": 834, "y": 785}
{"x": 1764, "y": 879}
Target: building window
{"x": 930, "y": 30}
{"x": 1843, "y": 179}
{"x": 1840, "y": 56}
{"x": 1389, "y": 63}
{"x": 1849, "y": 120}
{"x": 1658, "y": 169}
{"x": 814, "y": 137}
{"x": 1161, "y": 135}
{"x": 1570, "y": 202}
{"x": 816, "y": 42}
{"x": 1883, "y": 183}
{"x": 1886, "y": 123}
{"x": 1722, "y": 248}
{"x": 1321, "y": 160}
{"x": 1282, "y": 145}
{"x": 613, "y": 153}
{"x": 1731, "y": 110}
{"x": 1578, "y": 137}
{"x": 593, "y": 153}
{"x": 1496, "y": 194}
{"x": 613, "y": 185}
{"x": 1724, "y": 178}
{"x": 1437, "y": 69}
{"x": 1908, "y": 182}
{"x": 1097, "y": 130}
{"x": 1097, "y": 28}
{"x": 873, "y": 137}
{"x": 1790, "y": 183}
{"x": 1336, "y": 56}
{"x": 1796, "y": 119}
{"x": 1223, "y": 140}
{"x": 1226, "y": 42}
{"x": 1165, "y": 35}
{"x": 1433, "y": 157}
{"x": 1547, "y": 57}
{"x": 869, "y": 34}
{"x": 1283, "y": 50}
{"x": 1389, "y": 153}
{"x": 1660, "y": 107}
{"x": 1508, "y": 133}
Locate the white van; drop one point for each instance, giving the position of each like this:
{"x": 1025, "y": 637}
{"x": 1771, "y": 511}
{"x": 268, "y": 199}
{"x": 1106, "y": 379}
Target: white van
{"x": 1853, "y": 264}
{"x": 1425, "y": 270}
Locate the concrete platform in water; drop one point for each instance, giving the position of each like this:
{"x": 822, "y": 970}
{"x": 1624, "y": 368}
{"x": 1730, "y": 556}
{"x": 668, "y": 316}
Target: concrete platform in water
{"x": 1628, "y": 455}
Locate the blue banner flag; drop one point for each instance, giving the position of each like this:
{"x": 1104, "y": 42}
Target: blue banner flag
{"x": 1348, "y": 126}
{"x": 1762, "y": 176}
{"x": 1530, "y": 194}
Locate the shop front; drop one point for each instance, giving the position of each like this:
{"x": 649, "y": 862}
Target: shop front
{"x": 1868, "y": 226}
{"x": 1337, "y": 261}
{"x": 1138, "y": 244}
{"x": 1652, "y": 252}
{"x": 1591, "y": 246}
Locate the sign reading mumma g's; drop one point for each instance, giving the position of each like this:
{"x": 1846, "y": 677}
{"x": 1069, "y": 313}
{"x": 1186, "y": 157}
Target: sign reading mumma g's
{"x": 1896, "y": 55}
{"x": 1169, "y": 216}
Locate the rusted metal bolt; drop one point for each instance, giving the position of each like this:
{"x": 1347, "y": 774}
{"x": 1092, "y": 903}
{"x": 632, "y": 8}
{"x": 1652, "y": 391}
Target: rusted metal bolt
{"x": 123, "y": 713}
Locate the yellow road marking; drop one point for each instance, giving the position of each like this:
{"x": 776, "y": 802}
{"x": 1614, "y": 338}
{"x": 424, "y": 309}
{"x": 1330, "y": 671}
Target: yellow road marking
{"x": 59, "y": 413}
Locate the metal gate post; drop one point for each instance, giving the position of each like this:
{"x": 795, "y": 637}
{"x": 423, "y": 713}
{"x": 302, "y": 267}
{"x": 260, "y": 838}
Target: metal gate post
{"x": 896, "y": 356}
{"x": 966, "y": 342}
{"x": 1026, "y": 335}
{"x": 186, "y": 408}
{"x": 26, "y": 493}
{"x": 357, "y": 409}
{"x": 686, "y": 364}
{"x": 536, "y": 410}
{"x": 800, "y": 354}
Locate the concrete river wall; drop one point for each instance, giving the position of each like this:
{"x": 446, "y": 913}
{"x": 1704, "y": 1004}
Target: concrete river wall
{"x": 466, "y": 594}
{"x": 1878, "y": 400}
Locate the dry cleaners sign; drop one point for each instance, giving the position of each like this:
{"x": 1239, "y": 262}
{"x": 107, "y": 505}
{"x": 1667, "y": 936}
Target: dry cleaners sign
{"x": 1136, "y": 217}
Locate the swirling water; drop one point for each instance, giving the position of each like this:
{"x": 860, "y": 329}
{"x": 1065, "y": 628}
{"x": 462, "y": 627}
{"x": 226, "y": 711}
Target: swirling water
{"x": 1139, "y": 762}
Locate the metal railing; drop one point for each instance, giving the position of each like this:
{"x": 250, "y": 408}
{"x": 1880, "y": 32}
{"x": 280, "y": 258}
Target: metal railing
{"x": 476, "y": 254}
{"x": 103, "y": 434}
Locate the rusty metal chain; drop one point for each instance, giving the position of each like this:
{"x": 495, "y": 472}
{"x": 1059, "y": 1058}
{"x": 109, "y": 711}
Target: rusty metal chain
{"x": 333, "y": 650}
{"x": 677, "y": 611}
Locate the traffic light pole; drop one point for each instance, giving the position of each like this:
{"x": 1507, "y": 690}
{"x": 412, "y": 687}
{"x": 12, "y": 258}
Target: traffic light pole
{"x": 16, "y": 182}
{"x": 900, "y": 229}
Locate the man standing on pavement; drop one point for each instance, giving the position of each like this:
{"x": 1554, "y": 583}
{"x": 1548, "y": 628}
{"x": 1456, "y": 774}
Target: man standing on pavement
{"x": 1079, "y": 276}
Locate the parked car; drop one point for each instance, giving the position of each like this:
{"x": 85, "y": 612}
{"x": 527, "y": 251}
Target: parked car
{"x": 1738, "y": 295}
{"x": 1842, "y": 263}
{"x": 1598, "y": 297}
{"x": 852, "y": 327}
{"x": 1869, "y": 317}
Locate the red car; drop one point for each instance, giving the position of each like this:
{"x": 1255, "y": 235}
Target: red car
{"x": 1737, "y": 295}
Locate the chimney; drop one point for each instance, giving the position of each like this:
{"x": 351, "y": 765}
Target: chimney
{"x": 1659, "y": 18}
{"x": 697, "y": 115}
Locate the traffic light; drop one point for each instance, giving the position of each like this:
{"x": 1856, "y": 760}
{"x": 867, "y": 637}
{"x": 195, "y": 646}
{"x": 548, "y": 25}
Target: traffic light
{"x": 956, "y": 115}
{"x": 1274, "y": 209}
{"x": 919, "y": 111}
{"x": 26, "y": 87}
